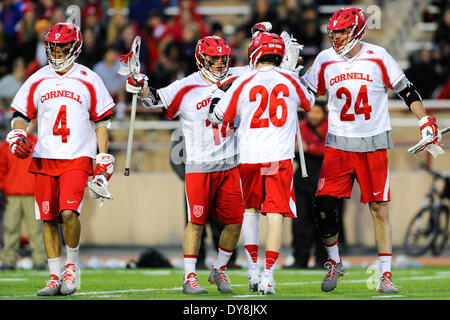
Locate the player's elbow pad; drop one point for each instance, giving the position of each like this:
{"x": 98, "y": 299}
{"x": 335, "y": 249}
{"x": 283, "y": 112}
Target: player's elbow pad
{"x": 152, "y": 100}
{"x": 409, "y": 94}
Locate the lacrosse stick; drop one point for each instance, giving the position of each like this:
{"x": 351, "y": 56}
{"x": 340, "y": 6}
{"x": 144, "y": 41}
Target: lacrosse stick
{"x": 425, "y": 144}
{"x": 132, "y": 67}
{"x": 300, "y": 151}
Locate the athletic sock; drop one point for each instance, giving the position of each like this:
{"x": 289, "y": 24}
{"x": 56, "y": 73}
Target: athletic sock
{"x": 223, "y": 256}
{"x": 333, "y": 252}
{"x": 251, "y": 251}
{"x": 271, "y": 259}
{"x": 250, "y": 234}
{"x": 72, "y": 255}
{"x": 189, "y": 264}
{"x": 55, "y": 265}
{"x": 385, "y": 260}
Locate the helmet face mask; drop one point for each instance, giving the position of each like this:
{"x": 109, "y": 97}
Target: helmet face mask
{"x": 63, "y": 44}
{"x": 212, "y": 55}
{"x": 346, "y": 28}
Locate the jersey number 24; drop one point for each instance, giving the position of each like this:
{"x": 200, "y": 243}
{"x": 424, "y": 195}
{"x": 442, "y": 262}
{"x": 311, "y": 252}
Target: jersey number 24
{"x": 362, "y": 98}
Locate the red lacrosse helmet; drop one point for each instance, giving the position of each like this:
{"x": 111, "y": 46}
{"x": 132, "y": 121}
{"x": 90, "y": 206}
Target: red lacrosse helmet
{"x": 264, "y": 44}
{"x": 60, "y": 34}
{"x": 353, "y": 19}
{"x": 212, "y": 46}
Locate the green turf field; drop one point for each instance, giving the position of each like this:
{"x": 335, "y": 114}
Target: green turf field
{"x": 428, "y": 283}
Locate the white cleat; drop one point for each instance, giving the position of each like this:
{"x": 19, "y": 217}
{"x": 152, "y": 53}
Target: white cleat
{"x": 386, "y": 285}
{"x": 70, "y": 279}
{"x": 266, "y": 286}
{"x": 254, "y": 278}
{"x": 52, "y": 287}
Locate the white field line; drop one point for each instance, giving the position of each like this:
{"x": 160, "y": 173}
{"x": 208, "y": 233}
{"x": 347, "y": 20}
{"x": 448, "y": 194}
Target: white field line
{"x": 300, "y": 283}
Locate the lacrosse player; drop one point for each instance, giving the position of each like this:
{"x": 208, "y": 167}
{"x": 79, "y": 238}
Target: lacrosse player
{"x": 356, "y": 77}
{"x": 212, "y": 177}
{"x": 72, "y": 107}
{"x": 266, "y": 101}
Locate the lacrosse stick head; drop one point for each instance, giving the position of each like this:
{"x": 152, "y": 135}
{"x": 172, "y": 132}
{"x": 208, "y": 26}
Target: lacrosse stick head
{"x": 131, "y": 59}
{"x": 99, "y": 186}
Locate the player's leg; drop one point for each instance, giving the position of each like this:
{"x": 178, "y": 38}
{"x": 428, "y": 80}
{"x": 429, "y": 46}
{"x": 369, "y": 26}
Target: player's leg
{"x": 47, "y": 210}
{"x": 229, "y": 209}
{"x": 383, "y": 238}
{"x": 373, "y": 178}
{"x": 278, "y": 203}
{"x": 335, "y": 181}
{"x": 72, "y": 185}
{"x": 253, "y": 194}
{"x": 198, "y": 207}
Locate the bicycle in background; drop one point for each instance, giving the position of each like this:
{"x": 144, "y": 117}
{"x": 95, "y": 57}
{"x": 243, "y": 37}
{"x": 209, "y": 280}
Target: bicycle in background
{"x": 428, "y": 230}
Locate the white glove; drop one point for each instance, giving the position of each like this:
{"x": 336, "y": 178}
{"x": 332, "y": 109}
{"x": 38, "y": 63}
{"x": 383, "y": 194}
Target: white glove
{"x": 261, "y": 27}
{"x": 430, "y": 137}
{"x": 292, "y": 60}
{"x": 136, "y": 83}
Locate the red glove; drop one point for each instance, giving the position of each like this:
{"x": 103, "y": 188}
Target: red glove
{"x": 428, "y": 127}
{"x": 261, "y": 27}
{"x": 105, "y": 165}
{"x": 18, "y": 143}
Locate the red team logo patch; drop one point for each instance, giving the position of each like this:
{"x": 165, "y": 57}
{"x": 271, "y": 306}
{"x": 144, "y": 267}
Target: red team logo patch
{"x": 198, "y": 211}
{"x": 45, "y": 207}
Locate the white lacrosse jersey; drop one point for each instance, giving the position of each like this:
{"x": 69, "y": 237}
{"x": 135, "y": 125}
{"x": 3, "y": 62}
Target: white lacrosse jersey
{"x": 266, "y": 101}
{"x": 357, "y": 89}
{"x": 190, "y": 98}
{"x": 66, "y": 107}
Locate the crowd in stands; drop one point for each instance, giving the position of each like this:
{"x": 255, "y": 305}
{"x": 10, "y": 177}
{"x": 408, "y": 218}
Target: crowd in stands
{"x": 430, "y": 66}
{"x": 168, "y": 41}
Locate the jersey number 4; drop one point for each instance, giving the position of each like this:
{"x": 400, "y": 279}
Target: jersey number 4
{"x": 366, "y": 109}
{"x": 273, "y": 102}
{"x": 60, "y": 126}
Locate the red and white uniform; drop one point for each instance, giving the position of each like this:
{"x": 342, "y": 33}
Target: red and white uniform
{"x": 266, "y": 101}
{"x": 66, "y": 107}
{"x": 212, "y": 177}
{"x": 357, "y": 89}
{"x": 359, "y": 123}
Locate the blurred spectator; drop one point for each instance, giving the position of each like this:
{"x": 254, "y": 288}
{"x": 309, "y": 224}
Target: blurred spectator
{"x": 117, "y": 23}
{"x": 424, "y": 72}
{"x": 305, "y": 233}
{"x": 92, "y": 50}
{"x": 189, "y": 43}
{"x": 11, "y": 83}
{"x": 26, "y": 32}
{"x": 262, "y": 11}
{"x": 169, "y": 67}
{"x": 58, "y": 15}
{"x": 186, "y": 16}
{"x": 217, "y": 29}
{"x": 156, "y": 36}
{"x": 91, "y": 18}
{"x": 125, "y": 40}
{"x": 114, "y": 82}
{"x": 17, "y": 184}
{"x": 442, "y": 34}
{"x": 10, "y": 15}
{"x": 40, "y": 60}
{"x": 45, "y": 8}
{"x": 139, "y": 10}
